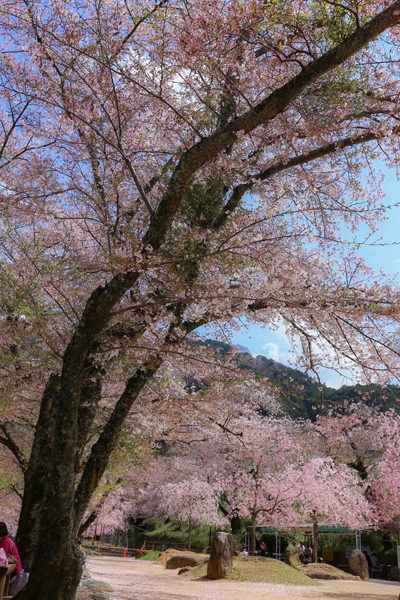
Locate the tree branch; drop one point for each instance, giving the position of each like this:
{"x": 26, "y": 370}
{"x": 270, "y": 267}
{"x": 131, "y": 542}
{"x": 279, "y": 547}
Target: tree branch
{"x": 208, "y": 148}
{"x": 295, "y": 161}
{"x": 101, "y": 450}
{"x": 9, "y": 442}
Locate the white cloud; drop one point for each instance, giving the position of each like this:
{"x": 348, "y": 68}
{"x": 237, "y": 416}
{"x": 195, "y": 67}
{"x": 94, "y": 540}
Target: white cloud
{"x": 272, "y": 350}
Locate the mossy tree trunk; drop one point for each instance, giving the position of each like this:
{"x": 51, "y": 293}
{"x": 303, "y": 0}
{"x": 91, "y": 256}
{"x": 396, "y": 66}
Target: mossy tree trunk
{"x": 35, "y": 475}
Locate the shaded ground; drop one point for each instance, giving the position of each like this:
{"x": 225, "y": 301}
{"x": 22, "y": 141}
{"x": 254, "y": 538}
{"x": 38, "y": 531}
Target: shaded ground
{"x": 139, "y": 580}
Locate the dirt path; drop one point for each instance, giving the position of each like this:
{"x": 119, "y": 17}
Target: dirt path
{"x": 140, "y": 580}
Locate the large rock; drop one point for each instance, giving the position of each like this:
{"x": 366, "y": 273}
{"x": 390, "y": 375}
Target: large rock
{"x": 185, "y": 560}
{"x": 220, "y": 562}
{"x": 164, "y": 556}
{"x": 358, "y": 564}
{"x": 292, "y": 558}
{"x": 102, "y": 586}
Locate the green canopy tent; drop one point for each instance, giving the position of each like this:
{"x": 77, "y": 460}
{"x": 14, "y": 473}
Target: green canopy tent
{"x": 306, "y": 528}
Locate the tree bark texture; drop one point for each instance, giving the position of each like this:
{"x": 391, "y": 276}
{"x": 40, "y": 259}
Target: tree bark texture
{"x": 35, "y": 475}
{"x": 59, "y": 576}
{"x": 253, "y": 534}
{"x": 90, "y": 397}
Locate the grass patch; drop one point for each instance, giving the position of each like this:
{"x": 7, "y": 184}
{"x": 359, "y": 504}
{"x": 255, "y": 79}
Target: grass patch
{"x": 152, "y": 555}
{"x": 259, "y": 570}
{"x": 325, "y": 571}
{"x": 174, "y": 531}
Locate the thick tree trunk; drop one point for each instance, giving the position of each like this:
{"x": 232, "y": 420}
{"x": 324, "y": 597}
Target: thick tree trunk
{"x": 56, "y": 568}
{"x": 35, "y": 475}
{"x": 62, "y": 509}
{"x": 57, "y": 535}
{"x": 90, "y": 398}
{"x": 40, "y": 460}
{"x": 253, "y": 534}
{"x": 58, "y": 578}
{"x": 56, "y": 571}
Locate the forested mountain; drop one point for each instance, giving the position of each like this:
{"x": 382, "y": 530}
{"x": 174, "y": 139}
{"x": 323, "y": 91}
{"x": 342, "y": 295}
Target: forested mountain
{"x": 301, "y": 395}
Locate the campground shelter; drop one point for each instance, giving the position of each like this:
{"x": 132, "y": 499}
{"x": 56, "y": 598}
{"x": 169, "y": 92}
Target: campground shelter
{"x": 306, "y": 528}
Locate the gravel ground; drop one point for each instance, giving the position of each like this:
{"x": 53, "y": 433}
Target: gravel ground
{"x": 139, "y": 580}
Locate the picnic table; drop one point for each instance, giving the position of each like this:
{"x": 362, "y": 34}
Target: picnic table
{"x": 5, "y": 573}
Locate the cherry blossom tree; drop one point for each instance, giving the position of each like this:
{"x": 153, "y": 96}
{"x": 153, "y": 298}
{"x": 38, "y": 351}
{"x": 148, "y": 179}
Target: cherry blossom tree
{"x": 359, "y": 436}
{"x": 259, "y": 467}
{"x": 191, "y": 501}
{"x": 385, "y": 486}
{"x": 170, "y": 165}
{"x": 333, "y": 494}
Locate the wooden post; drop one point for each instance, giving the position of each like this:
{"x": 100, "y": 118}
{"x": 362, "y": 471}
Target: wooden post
{"x": 315, "y": 538}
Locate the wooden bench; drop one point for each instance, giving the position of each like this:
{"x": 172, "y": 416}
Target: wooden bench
{"x": 5, "y": 573}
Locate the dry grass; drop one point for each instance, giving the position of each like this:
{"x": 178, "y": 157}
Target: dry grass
{"x": 258, "y": 570}
{"x": 325, "y": 571}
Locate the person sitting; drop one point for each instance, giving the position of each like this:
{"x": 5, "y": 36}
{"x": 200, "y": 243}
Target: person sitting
{"x": 263, "y": 550}
{"x": 243, "y": 552}
{"x": 300, "y": 551}
{"x": 307, "y": 554}
{"x": 18, "y": 578}
{"x": 9, "y": 547}
{"x": 376, "y": 569}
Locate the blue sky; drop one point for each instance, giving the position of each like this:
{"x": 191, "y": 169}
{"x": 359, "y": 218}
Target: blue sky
{"x": 386, "y": 257}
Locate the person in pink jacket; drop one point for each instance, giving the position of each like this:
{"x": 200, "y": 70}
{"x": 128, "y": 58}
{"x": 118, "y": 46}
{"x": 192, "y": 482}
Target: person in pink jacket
{"x": 9, "y": 546}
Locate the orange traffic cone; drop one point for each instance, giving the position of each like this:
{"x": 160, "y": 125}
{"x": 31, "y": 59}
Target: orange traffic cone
{"x": 124, "y": 553}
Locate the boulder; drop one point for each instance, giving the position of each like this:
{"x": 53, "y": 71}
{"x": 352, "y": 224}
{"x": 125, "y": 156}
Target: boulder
{"x": 98, "y": 585}
{"x": 220, "y": 562}
{"x": 164, "y": 556}
{"x": 185, "y": 560}
{"x": 358, "y": 564}
{"x": 292, "y": 558}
